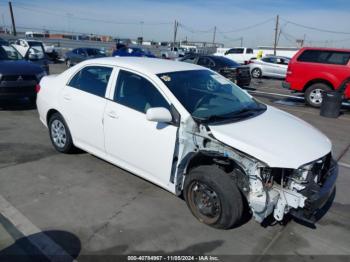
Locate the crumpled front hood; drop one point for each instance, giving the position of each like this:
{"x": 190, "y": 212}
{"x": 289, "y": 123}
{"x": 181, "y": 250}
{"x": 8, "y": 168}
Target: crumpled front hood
{"x": 276, "y": 138}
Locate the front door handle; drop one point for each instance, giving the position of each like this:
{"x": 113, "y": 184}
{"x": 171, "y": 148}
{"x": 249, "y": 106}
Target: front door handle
{"x": 112, "y": 114}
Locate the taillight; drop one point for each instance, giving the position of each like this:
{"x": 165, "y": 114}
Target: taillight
{"x": 37, "y": 88}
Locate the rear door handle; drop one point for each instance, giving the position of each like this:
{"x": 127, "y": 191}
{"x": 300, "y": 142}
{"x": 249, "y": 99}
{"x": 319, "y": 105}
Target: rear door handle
{"x": 112, "y": 114}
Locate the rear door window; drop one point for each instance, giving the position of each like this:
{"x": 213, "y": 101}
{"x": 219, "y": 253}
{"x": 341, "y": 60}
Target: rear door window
{"x": 203, "y": 61}
{"x": 267, "y": 60}
{"x": 235, "y": 51}
{"x": 325, "y": 57}
{"x": 92, "y": 79}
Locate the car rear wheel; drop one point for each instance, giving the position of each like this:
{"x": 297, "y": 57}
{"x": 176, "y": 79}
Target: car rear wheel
{"x": 213, "y": 197}
{"x": 313, "y": 94}
{"x": 256, "y": 73}
{"x": 60, "y": 135}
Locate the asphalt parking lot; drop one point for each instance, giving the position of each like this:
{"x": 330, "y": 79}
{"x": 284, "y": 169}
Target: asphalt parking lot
{"x": 89, "y": 207}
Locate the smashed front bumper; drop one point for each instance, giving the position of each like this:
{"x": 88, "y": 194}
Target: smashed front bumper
{"x": 318, "y": 198}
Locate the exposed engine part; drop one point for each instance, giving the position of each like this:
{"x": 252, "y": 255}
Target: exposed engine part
{"x": 268, "y": 190}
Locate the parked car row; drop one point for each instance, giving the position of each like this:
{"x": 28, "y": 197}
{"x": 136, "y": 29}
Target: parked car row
{"x": 233, "y": 71}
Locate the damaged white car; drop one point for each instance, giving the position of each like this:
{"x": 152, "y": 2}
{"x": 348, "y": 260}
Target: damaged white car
{"x": 192, "y": 132}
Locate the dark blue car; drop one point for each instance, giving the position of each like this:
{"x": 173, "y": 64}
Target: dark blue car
{"x": 133, "y": 51}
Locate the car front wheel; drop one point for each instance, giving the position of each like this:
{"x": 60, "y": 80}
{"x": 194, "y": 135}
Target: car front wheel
{"x": 256, "y": 73}
{"x": 60, "y": 135}
{"x": 213, "y": 197}
{"x": 313, "y": 94}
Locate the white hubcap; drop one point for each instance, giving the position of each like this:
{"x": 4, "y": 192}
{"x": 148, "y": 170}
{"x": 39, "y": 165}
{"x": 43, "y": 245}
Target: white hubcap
{"x": 58, "y": 133}
{"x": 316, "y": 96}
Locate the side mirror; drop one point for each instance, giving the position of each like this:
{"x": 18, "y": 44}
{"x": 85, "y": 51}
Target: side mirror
{"x": 159, "y": 114}
{"x": 33, "y": 57}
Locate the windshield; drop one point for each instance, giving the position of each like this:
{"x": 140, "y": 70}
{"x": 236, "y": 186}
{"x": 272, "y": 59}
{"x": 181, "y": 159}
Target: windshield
{"x": 9, "y": 53}
{"x": 209, "y": 97}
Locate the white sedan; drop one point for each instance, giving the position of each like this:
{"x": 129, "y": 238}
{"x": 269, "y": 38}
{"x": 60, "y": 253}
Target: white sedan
{"x": 192, "y": 132}
{"x": 271, "y": 66}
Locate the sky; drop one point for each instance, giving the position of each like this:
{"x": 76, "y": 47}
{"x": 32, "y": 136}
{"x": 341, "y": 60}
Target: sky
{"x": 252, "y": 20}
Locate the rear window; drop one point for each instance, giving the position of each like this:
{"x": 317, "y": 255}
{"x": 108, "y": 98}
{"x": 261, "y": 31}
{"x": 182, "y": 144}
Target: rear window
{"x": 235, "y": 51}
{"x": 325, "y": 57}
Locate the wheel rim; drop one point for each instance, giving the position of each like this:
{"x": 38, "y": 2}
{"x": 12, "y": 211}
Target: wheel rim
{"x": 316, "y": 96}
{"x": 58, "y": 133}
{"x": 204, "y": 202}
{"x": 256, "y": 73}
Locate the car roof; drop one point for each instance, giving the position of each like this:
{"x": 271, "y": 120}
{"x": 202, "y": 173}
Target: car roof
{"x": 325, "y": 49}
{"x": 276, "y": 56}
{"x": 145, "y": 64}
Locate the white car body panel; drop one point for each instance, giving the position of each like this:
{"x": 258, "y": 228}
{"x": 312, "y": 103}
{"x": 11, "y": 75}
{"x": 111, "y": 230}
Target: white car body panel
{"x": 276, "y": 138}
{"x": 129, "y": 130}
{"x": 239, "y": 58}
{"x": 158, "y": 152}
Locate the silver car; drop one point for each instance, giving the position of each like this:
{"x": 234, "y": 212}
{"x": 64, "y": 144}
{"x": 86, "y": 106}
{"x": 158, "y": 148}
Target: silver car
{"x": 271, "y": 66}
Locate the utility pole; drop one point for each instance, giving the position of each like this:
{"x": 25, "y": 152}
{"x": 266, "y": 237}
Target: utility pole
{"x": 214, "y": 35}
{"x": 276, "y": 35}
{"x": 13, "y": 19}
{"x": 176, "y": 24}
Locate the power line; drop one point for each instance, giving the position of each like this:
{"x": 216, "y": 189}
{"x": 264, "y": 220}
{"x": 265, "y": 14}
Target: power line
{"x": 195, "y": 31}
{"x": 37, "y": 10}
{"x": 228, "y": 38}
{"x": 316, "y": 29}
{"x": 249, "y": 27}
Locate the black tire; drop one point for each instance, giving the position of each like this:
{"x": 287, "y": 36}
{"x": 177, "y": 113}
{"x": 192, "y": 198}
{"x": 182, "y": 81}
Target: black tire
{"x": 66, "y": 147}
{"x": 256, "y": 73}
{"x": 313, "y": 94}
{"x": 225, "y": 208}
{"x": 69, "y": 63}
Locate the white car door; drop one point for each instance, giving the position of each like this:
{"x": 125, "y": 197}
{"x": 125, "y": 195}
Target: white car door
{"x": 269, "y": 66}
{"x": 138, "y": 145}
{"x": 83, "y": 102}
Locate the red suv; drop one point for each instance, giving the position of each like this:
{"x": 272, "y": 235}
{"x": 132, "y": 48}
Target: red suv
{"x": 314, "y": 70}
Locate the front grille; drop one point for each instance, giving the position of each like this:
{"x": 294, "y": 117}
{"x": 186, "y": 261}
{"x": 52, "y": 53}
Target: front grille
{"x": 18, "y": 78}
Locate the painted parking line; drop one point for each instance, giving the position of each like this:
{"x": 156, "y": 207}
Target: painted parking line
{"x": 44, "y": 244}
{"x": 276, "y": 94}
{"x": 285, "y": 95}
{"x": 344, "y": 164}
